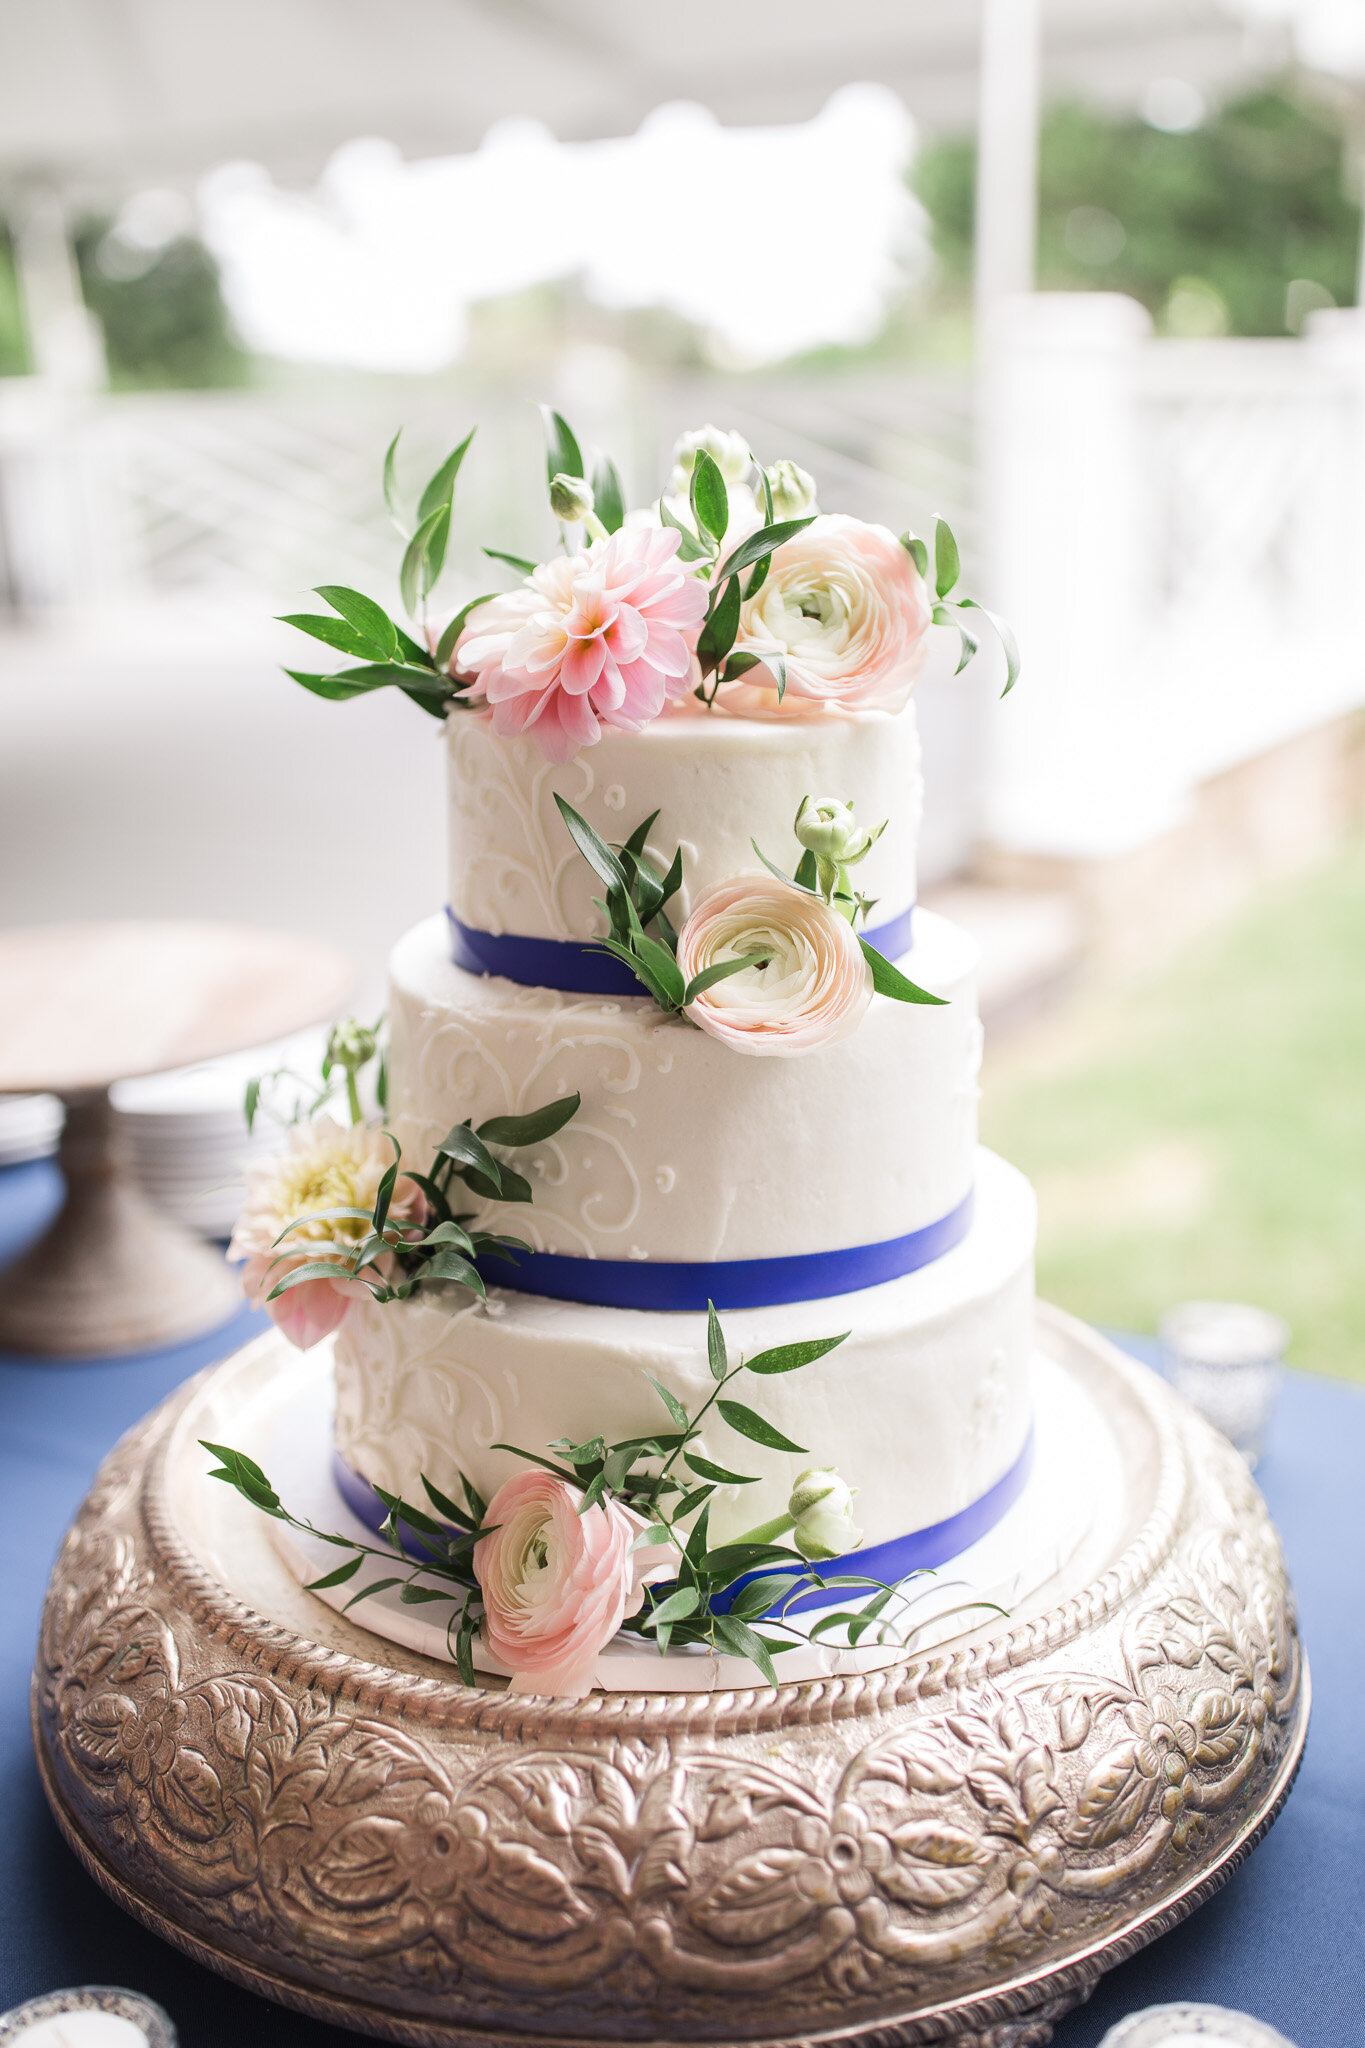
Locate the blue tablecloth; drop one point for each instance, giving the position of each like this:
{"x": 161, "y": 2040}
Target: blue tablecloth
{"x": 1285, "y": 1939}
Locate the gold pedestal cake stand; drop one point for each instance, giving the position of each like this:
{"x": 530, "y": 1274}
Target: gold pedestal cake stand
{"x": 950, "y": 1849}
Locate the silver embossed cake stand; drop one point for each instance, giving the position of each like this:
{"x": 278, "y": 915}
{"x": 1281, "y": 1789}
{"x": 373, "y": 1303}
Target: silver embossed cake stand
{"x": 952, "y": 1849}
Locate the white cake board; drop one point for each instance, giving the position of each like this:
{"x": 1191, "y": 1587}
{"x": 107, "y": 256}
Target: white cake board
{"x": 1071, "y": 1497}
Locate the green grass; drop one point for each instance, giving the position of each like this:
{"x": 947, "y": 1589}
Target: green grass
{"x": 1202, "y": 1133}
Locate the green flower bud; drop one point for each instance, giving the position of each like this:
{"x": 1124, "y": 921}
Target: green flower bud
{"x": 793, "y": 490}
{"x": 821, "y": 1508}
{"x": 351, "y": 1046}
{"x": 571, "y": 499}
{"x": 828, "y": 828}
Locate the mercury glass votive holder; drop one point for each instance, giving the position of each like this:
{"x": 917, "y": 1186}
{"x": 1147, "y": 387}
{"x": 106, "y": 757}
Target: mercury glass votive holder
{"x": 92, "y": 2016}
{"x": 1225, "y": 1358}
{"x": 1192, "y": 2026}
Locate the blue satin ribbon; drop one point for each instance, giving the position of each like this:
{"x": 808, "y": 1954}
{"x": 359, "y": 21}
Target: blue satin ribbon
{"x": 579, "y": 968}
{"x": 729, "y": 1283}
{"x": 888, "y": 1563}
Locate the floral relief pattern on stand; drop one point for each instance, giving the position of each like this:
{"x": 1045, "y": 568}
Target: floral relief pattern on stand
{"x": 854, "y": 1860}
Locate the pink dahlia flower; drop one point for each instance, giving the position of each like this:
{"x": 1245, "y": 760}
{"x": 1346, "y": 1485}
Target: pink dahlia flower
{"x": 326, "y": 1165}
{"x": 557, "y": 1585}
{"x": 848, "y": 611}
{"x": 599, "y": 638}
{"x": 813, "y": 989}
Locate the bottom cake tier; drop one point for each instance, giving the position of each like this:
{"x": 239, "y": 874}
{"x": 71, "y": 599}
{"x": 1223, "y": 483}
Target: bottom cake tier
{"x": 925, "y": 1408}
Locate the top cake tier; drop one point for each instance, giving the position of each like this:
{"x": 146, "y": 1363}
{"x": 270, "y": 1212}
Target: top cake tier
{"x": 717, "y": 782}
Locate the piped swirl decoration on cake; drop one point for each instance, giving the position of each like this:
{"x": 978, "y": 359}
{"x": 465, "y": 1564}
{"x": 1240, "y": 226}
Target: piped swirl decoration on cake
{"x": 732, "y": 592}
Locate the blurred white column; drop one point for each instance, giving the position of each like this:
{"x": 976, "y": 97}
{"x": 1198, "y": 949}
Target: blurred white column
{"x": 1334, "y": 342}
{"x": 51, "y": 519}
{"x": 1006, "y": 153}
{"x": 63, "y": 335}
{"x": 1077, "y": 765}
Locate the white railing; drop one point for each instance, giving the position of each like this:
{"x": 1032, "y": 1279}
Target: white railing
{"x": 1176, "y": 529}
{"x": 260, "y": 496}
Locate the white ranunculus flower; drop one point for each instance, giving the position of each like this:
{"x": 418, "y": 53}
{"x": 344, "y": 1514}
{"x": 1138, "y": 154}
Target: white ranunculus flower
{"x": 847, "y": 611}
{"x": 814, "y": 984}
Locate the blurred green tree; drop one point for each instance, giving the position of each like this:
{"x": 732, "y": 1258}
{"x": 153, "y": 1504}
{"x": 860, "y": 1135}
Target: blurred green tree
{"x": 1243, "y": 224}
{"x": 13, "y": 330}
{"x": 165, "y": 323}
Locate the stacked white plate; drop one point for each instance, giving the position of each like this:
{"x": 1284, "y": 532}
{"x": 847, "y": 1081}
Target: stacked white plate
{"x": 186, "y": 1131}
{"x": 30, "y": 1126}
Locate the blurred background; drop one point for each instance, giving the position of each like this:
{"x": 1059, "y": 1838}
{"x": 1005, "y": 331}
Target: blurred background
{"x": 1080, "y": 275}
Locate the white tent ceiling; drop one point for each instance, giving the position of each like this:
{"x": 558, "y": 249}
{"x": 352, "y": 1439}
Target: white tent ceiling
{"x": 103, "y": 95}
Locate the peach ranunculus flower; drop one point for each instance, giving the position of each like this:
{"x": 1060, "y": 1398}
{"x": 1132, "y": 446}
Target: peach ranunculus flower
{"x": 816, "y": 983}
{"x": 846, "y": 607}
{"x": 603, "y": 637}
{"x": 557, "y": 1585}
{"x": 326, "y": 1165}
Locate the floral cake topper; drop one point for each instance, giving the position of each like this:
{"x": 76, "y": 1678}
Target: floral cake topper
{"x": 732, "y": 592}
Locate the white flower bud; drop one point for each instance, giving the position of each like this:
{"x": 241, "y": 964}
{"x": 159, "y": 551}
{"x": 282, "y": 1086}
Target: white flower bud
{"x": 729, "y": 452}
{"x": 829, "y": 829}
{"x": 793, "y": 490}
{"x": 821, "y": 1507}
{"x": 571, "y": 499}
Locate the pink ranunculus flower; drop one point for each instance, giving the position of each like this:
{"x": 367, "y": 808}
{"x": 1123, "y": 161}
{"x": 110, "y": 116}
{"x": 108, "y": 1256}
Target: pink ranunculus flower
{"x": 816, "y": 983}
{"x": 557, "y": 1585}
{"x": 847, "y": 609}
{"x": 599, "y": 638}
{"x": 326, "y": 1165}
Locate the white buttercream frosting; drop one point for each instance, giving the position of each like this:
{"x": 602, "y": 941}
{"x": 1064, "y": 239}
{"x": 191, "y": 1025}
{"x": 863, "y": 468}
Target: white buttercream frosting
{"x": 684, "y": 1149}
{"x": 922, "y": 1409}
{"x": 716, "y": 782}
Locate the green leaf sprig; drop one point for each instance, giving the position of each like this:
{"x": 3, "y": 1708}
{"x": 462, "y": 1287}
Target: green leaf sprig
{"x": 445, "y": 1548}
{"x": 734, "y": 578}
{"x": 388, "y": 656}
{"x": 393, "y": 1260}
{"x": 948, "y": 610}
{"x": 636, "y": 900}
{"x": 667, "y": 1480}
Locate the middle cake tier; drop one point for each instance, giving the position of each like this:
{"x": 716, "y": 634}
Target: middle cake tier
{"x": 684, "y": 1150}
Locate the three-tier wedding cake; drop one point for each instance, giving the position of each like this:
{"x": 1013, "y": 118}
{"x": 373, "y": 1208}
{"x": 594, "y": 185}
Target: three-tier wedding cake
{"x": 681, "y": 975}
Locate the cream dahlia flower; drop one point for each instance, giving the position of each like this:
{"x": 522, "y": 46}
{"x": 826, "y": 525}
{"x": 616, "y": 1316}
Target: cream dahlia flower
{"x": 326, "y": 1165}
{"x": 816, "y": 983}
